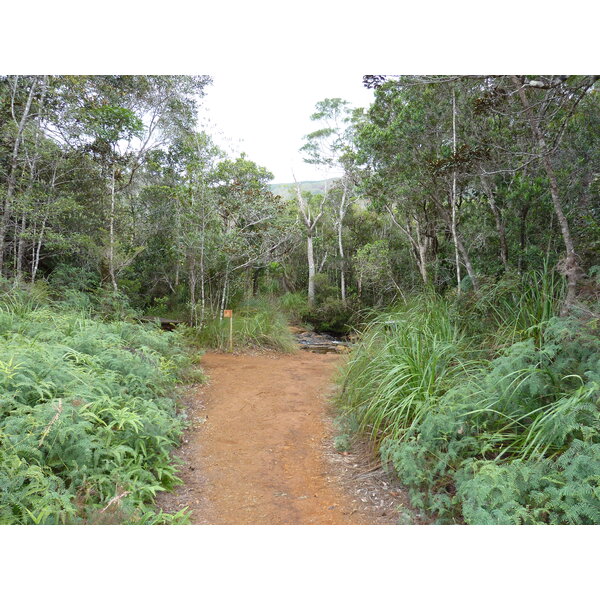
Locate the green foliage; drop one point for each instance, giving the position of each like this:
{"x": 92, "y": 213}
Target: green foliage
{"x": 85, "y": 416}
{"x": 514, "y": 308}
{"x": 256, "y": 324}
{"x": 407, "y": 359}
{"x": 560, "y": 492}
{"x": 373, "y": 263}
{"x": 342, "y": 442}
{"x": 331, "y": 315}
{"x": 294, "y": 306}
{"x": 512, "y": 439}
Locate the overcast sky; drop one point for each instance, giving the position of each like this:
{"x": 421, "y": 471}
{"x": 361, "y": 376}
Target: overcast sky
{"x": 267, "y": 114}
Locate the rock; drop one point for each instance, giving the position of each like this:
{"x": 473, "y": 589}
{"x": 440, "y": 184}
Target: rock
{"x": 321, "y": 343}
{"x": 297, "y": 330}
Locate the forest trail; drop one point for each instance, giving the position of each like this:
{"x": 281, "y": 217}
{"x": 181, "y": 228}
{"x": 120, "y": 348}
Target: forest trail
{"x": 256, "y": 452}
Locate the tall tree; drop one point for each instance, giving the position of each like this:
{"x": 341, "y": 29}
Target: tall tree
{"x": 330, "y": 147}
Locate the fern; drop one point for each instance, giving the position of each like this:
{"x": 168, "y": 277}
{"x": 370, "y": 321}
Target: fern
{"x": 84, "y": 410}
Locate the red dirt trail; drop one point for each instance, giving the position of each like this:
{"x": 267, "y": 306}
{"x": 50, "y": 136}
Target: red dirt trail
{"x": 256, "y": 453}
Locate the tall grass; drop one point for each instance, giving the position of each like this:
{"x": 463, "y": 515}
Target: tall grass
{"x": 514, "y": 308}
{"x": 407, "y": 359}
{"x": 294, "y": 306}
{"x": 257, "y": 324}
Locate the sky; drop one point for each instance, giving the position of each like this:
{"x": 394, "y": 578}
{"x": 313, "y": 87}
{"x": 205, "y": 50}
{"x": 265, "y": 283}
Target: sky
{"x": 268, "y": 119}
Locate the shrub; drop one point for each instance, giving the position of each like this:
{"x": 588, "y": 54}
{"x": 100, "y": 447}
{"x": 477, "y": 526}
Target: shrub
{"x": 407, "y": 359}
{"x": 294, "y": 306}
{"x": 331, "y": 315}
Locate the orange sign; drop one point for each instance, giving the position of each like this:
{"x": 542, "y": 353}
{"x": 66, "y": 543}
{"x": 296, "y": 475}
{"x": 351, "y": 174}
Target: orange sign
{"x": 227, "y": 314}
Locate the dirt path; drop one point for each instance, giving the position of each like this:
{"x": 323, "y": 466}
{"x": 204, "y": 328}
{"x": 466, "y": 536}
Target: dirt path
{"x": 256, "y": 452}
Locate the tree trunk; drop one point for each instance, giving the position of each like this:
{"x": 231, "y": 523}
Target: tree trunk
{"x": 178, "y": 251}
{"x": 12, "y": 177}
{"x": 311, "y": 269}
{"x": 310, "y": 223}
{"x": 21, "y": 248}
{"x": 499, "y": 222}
{"x": 570, "y": 266}
{"x": 453, "y": 195}
{"x": 255, "y": 280}
{"x": 193, "y": 308}
{"x": 32, "y": 176}
{"x": 340, "y": 224}
{"x": 342, "y": 276}
{"x": 461, "y": 247}
{"x": 224, "y": 294}
{"x": 111, "y": 247}
{"x": 468, "y": 264}
{"x": 422, "y": 244}
{"x": 523, "y": 236}
{"x": 37, "y": 249}
{"x": 202, "y": 273}
{"x": 418, "y": 242}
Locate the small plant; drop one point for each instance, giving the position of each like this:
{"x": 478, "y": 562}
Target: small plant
{"x": 341, "y": 443}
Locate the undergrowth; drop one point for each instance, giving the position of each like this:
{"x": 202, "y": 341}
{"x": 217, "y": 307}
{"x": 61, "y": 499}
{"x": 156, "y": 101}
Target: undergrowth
{"x": 488, "y": 417}
{"x": 257, "y": 324}
{"x": 87, "y": 421}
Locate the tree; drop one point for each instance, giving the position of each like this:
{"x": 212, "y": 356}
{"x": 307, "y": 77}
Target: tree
{"x": 543, "y": 105}
{"x": 310, "y": 221}
{"x": 330, "y": 147}
{"x": 548, "y": 123}
{"x": 21, "y": 89}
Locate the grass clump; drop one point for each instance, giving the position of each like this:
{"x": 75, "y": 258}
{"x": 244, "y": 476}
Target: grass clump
{"x": 408, "y": 357}
{"x": 256, "y": 325}
{"x": 87, "y": 421}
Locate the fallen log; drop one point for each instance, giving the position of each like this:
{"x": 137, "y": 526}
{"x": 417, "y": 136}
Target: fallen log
{"x": 166, "y": 324}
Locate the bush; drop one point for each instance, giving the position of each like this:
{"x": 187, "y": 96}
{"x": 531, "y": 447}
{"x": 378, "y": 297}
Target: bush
{"x": 407, "y": 359}
{"x": 511, "y": 309}
{"x": 528, "y": 408}
{"x": 331, "y": 315}
{"x": 294, "y": 306}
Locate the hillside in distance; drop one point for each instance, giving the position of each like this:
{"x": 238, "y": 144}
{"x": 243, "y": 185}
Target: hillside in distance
{"x": 315, "y": 187}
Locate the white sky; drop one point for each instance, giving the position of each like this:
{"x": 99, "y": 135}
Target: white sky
{"x": 267, "y": 116}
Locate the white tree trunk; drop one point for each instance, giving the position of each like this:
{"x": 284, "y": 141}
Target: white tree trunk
{"x": 311, "y": 269}
{"x": 453, "y": 195}
{"x": 570, "y": 268}
{"x": 111, "y": 244}
{"x": 37, "y": 249}
{"x": 12, "y": 177}
{"x": 202, "y": 273}
{"x": 310, "y": 223}
{"x": 340, "y": 224}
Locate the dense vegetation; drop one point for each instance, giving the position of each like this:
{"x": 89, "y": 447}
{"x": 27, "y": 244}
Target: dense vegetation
{"x": 488, "y": 420}
{"x": 461, "y": 241}
{"x": 87, "y": 412}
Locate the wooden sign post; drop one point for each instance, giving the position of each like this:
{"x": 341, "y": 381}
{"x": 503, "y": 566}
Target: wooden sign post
{"x": 228, "y": 314}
